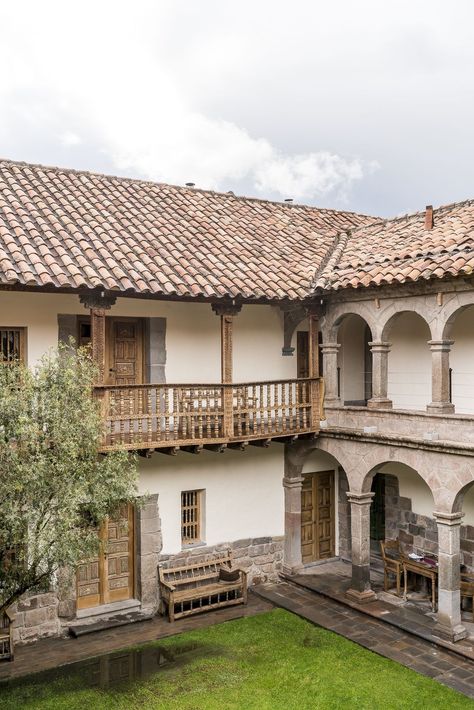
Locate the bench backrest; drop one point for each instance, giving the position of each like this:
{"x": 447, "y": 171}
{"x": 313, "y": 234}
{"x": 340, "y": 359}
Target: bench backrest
{"x": 195, "y": 572}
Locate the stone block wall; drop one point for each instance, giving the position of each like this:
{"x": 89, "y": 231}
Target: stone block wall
{"x": 36, "y": 617}
{"x": 260, "y": 557}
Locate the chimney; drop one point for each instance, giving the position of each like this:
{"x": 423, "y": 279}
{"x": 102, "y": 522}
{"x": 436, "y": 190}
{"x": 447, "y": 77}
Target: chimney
{"x": 190, "y": 184}
{"x": 429, "y": 217}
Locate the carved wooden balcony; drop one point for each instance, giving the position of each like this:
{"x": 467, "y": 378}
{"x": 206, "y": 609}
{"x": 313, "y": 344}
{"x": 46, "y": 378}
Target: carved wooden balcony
{"x": 166, "y": 417}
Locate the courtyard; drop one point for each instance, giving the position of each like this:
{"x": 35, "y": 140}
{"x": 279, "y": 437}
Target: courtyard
{"x": 273, "y": 659}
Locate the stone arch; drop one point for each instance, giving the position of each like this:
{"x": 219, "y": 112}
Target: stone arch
{"x": 396, "y": 314}
{"x": 447, "y": 316}
{"x": 459, "y": 498}
{"x": 334, "y": 318}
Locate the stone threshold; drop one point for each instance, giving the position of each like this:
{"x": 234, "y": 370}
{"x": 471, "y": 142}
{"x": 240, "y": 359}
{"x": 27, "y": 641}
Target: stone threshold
{"x": 410, "y": 621}
{"x": 110, "y": 622}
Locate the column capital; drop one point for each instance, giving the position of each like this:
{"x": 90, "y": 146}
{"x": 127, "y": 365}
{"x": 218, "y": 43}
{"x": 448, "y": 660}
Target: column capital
{"x": 379, "y": 346}
{"x": 293, "y": 482}
{"x": 226, "y": 309}
{"x": 360, "y": 498}
{"x": 330, "y": 348}
{"x": 450, "y": 519}
{"x": 97, "y": 301}
{"x": 443, "y": 346}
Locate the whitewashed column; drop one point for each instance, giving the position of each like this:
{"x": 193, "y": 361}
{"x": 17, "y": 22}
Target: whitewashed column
{"x": 448, "y": 623}
{"x": 440, "y": 403}
{"x": 379, "y": 399}
{"x": 360, "y": 589}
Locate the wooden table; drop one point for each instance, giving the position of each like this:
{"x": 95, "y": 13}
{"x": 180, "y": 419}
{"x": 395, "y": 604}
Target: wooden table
{"x": 423, "y": 570}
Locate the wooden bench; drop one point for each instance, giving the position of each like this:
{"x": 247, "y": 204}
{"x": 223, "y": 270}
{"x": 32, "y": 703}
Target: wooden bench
{"x": 201, "y": 587}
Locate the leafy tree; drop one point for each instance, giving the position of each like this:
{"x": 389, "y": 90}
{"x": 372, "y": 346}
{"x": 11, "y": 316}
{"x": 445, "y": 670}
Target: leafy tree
{"x": 55, "y": 488}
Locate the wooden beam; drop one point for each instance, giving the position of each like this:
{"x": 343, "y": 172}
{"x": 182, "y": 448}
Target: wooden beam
{"x": 192, "y": 449}
{"x": 145, "y": 453}
{"x": 168, "y": 450}
{"x": 227, "y": 311}
{"x": 217, "y": 448}
{"x": 265, "y": 443}
{"x": 238, "y": 445}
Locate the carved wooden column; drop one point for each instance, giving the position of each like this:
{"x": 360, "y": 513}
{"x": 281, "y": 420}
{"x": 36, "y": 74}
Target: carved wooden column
{"x": 440, "y": 377}
{"x": 313, "y": 322}
{"x": 360, "y": 589}
{"x": 329, "y": 351}
{"x": 227, "y": 311}
{"x": 98, "y": 305}
{"x": 379, "y": 399}
{"x": 448, "y": 624}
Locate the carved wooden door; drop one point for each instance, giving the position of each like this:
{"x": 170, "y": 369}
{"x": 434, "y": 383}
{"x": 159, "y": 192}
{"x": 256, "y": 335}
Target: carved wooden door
{"x": 125, "y": 351}
{"x": 317, "y": 517}
{"x": 110, "y": 576}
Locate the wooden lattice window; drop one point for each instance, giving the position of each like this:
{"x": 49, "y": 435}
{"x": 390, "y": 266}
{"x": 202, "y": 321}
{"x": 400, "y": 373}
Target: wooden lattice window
{"x": 12, "y": 345}
{"x": 191, "y": 517}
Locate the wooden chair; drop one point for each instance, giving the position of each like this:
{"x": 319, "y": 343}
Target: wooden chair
{"x": 392, "y": 562}
{"x": 467, "y": 588}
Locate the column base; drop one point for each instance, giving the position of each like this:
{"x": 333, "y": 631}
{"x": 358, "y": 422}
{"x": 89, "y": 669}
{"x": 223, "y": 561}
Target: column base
{"x": 368, "y": 595}
{"x": 450, "y": 633}
{"x": 376, "y": 403}
{"x": 440, "y": 408}
{"x": 332, "y": 403}
{"x": 290, "y": 571}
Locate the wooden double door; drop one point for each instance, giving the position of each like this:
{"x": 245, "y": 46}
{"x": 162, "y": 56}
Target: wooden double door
{"x": 317, "y": 517}
{"x": 110, "y": 576}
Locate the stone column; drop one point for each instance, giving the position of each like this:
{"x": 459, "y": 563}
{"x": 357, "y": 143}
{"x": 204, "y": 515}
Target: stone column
{"x": 379, "y": 399}
{"x": 360, "y": 589}
{"x": 440, "y": 403}
{"x": 292, "y": 561}
{"x": 329, "y": 351}
{"x": 292, "y": 484}
{"x": 449, "y": 624}
{"x": 148, "y": 537}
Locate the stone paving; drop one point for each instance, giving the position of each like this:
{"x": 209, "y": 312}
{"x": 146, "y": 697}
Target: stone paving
{"x": 415, "y": 653}
{"x": 52, "y": 653}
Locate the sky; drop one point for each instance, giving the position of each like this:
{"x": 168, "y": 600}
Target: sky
{"x": 366, "y": 106}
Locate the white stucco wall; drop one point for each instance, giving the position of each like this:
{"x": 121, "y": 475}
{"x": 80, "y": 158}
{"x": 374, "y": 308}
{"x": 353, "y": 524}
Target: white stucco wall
{"x": 244, "y": 495}
{"x": 462, "y": 362}
{"x": 351, "y": 358}
{"x": 409, "y": 363}
{"x": 192, "y": 334}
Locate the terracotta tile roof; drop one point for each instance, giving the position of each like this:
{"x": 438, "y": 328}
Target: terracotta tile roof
{"x": 69, "y": 229}
{"x": 402, "y": 250}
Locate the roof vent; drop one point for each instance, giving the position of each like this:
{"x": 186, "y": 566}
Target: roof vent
{"x": 289, "y": 200}
{"x": 190, "y": 184}
{"x": 429, "y": 217}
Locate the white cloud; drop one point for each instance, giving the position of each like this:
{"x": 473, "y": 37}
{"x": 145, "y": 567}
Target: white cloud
{"x": 299, "y": 101}
{"x": 69, "y": 138}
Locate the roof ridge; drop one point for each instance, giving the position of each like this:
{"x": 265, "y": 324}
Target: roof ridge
{"x": 183, "y": 188}
{"x": 330, "y": 259}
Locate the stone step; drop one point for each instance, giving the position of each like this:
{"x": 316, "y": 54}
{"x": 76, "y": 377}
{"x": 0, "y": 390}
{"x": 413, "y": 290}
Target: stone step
{"x": 111, "y": 622}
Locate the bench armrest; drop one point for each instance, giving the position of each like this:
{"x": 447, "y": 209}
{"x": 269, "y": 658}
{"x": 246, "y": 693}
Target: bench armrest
{"x": 168, "y": 585}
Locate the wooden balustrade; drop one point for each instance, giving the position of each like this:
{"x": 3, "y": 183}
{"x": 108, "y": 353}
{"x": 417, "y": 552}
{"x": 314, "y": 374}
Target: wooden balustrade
{"x": 157, "y": 416}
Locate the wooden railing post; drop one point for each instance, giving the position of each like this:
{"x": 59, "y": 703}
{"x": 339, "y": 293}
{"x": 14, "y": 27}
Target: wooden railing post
{"x": 313, "y": 320}
{"x": 227, "y": 311}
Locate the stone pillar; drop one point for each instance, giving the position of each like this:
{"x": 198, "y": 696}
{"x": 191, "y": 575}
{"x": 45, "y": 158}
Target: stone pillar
{"x": 292, "y": 484}
{"x": 379, "y": 399}
{"x": 449, "y": 624}
{"x": 292, "y": 561}
{"x": 148, "y": 537}
{"x": 360, "y": 589}
{"x": 440, "y": 403}
{"x": 329, "y": 351}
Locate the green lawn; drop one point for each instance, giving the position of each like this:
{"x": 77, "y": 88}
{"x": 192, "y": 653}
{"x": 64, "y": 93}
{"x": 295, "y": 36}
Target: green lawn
{"x": 271, "y": 661}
